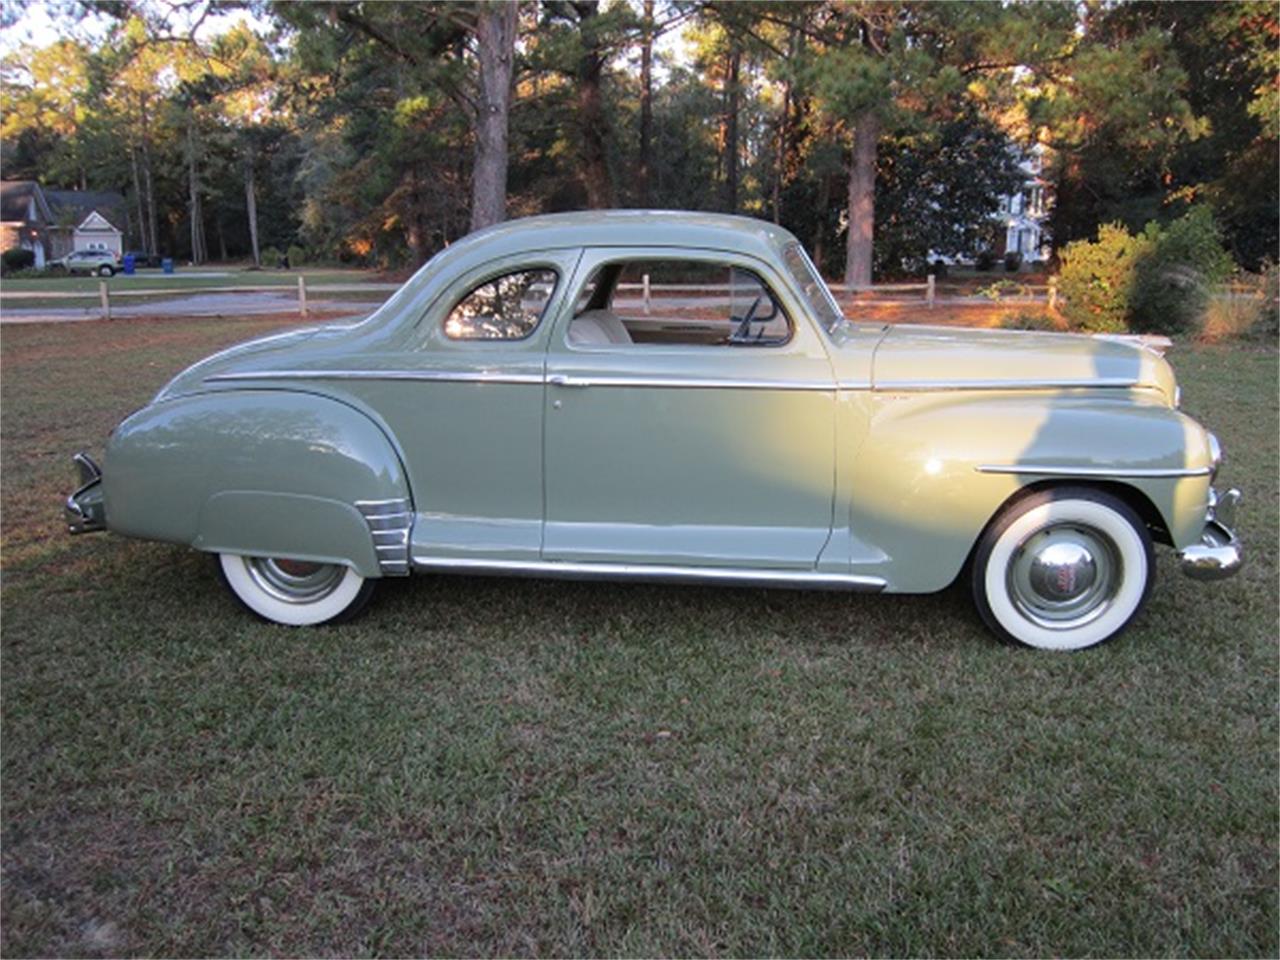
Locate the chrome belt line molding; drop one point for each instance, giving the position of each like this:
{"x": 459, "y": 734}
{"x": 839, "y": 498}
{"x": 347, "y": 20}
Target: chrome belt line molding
{"x": 1065, "y": 471}
{"x": 689, "y": 383}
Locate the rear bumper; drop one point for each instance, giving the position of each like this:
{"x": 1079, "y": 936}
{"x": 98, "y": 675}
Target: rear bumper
{"x": 1218, "y": 555}
{"x": 85, "y": 510}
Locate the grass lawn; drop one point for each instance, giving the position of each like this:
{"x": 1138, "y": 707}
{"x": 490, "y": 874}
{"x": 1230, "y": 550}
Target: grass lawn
{"x": 516, "y": 767}
{"x": 185, "y": 280}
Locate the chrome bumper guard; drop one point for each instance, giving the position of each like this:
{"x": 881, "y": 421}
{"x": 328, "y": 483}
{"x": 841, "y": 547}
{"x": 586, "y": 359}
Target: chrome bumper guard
{"x": 84, "y": 509}
{"x": 1218, "y": 554}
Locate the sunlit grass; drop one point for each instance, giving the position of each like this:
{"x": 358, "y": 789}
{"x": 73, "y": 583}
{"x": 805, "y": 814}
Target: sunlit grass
{"x": 518, "y": 767}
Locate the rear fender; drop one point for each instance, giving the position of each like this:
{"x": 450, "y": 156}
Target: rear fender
{"x": 262, "y": 472}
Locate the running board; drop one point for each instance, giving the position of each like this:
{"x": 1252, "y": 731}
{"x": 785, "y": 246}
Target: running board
{"x": 650, "y": 573}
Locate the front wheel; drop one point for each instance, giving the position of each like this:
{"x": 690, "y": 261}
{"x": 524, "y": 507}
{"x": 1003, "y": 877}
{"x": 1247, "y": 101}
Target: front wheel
{"x": 295, "y": 593}
{"x": 105, "y": 271}
{"x": 1063, "y": 569}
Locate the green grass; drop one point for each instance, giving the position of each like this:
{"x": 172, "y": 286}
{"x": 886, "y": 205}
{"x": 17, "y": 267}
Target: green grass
{"x": 186, "y": 278}
{"x": 520, "y": 767}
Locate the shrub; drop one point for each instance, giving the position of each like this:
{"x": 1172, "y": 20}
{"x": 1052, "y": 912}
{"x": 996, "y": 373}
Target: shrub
{"x": 999, "y": 289}
{"x": 1249, "y": 307}
{"x": 938, "y": 268}
{"x": 1028, "y": 320}
{"x": 297, "y": 256}
{"x": 1097, "y": 279}
{"x": 269, "y": 256}
{"x": 1175, "y": 278}
{"x": 985, "y": 261}
{"x": 17, "y": 259}
{"x": 1012, "y": 261}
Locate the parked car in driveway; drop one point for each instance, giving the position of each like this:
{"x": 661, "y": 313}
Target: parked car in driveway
{"x": 102, "y": 262}
{"x": 673, "y": 397}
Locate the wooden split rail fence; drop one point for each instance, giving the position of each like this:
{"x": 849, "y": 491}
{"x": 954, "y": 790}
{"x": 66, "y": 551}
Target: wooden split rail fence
{"x": 883, "y": 292}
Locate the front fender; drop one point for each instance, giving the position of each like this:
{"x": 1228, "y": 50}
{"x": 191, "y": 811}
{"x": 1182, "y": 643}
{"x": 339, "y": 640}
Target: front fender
{"x": 267, "y": 472}
{"x": 923, "y": 489}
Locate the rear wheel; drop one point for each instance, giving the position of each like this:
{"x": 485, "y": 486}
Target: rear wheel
{"x": 297, "y": 593}
{"x": 105, "y": 271}
{"x": 1063, "y": 569}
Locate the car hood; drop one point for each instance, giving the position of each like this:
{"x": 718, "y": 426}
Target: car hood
{"x": 923, "y": 357}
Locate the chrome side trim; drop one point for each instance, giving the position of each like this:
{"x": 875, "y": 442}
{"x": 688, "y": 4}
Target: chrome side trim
{"x": 441, "y": 376}
{"x": 1058, "y": 470}
{"x": 659, "y": 573}
{"x": 1086, "y": 383}
{"x": 389, "y": 524}
{"x": 689, "y": 383}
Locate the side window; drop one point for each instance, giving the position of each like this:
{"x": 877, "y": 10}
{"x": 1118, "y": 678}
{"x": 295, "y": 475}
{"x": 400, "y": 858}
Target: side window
{"x": 504, "y": 308}
{"x": 684, "y": 302}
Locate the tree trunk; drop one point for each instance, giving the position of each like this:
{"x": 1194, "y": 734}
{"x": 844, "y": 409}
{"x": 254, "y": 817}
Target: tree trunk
{"x": 646, "y": 105}
{"x": 137, "y": 199}
{"x": 862, "y": 199}
{"x": 591, "y": 117}
{"x": 732, "y": 90}
{"x": 251, "y": 207}
{"x": 495, "y": 42}
{"x": 153, "y": 231}
{"x": 196, "y": 214}
{"x": 780, "y": 158}
{"x": 786, "y": 131}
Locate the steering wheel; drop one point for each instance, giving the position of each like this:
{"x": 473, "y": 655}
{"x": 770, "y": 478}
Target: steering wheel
{"x": 742, "y": 332}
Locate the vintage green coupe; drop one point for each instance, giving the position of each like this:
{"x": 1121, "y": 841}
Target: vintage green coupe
{"x": 674, "y": 397}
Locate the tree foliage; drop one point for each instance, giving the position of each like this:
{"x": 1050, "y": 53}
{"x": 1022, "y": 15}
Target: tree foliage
{"x": 877, "y": 132}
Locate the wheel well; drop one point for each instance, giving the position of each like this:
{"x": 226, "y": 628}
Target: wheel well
{"x": 1138, "y": 501}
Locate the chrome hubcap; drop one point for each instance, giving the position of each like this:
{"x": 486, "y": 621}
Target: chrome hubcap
{"x": 294, "y": 581}
{"x": 1064, "y": 576}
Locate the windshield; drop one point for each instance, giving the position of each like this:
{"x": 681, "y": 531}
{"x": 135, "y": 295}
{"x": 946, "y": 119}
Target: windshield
{"x": 816, "y": 293}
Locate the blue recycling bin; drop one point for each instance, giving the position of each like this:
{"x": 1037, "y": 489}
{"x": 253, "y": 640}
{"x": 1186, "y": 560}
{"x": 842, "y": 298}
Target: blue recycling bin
{"x": 167, "y": 264}
{"x": 129, "y": 264}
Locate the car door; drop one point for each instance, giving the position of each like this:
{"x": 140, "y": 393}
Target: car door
{"x": 463, "y": 396}
{"x": 682, "y": 426}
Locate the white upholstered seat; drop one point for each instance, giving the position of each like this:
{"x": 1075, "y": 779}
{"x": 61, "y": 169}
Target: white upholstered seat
{"x": 598, "y": 327}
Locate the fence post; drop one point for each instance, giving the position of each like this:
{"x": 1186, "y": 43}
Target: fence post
{"x": 929, "y": 292}
{"x": 1053, "y": 293}
{"x": 302, "y": 295}
{"x": 105, "y": 297}
{"x": 645, "y": 281}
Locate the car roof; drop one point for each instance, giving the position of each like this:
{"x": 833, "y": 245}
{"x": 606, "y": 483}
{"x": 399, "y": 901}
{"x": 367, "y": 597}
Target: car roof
{"x": 624, "y": 228}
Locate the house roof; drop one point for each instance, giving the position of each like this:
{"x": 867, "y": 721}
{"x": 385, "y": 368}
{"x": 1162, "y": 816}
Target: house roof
{"x": 71, "y": 207}
{"x": 15, "y": 200}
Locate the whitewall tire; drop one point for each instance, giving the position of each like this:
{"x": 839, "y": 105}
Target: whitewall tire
{"x": 295, "y": 593}
{"x": 1063, "y": 569}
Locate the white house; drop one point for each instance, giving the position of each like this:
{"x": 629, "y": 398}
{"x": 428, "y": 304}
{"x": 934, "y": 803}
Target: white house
{"x": 1024, "y": 214}
{"x": 53, "y": 223}
{"x": 86, "y": 220}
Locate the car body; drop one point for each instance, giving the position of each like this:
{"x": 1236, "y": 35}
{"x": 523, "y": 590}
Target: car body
{"x": 532, "y": 403}
{"x": 102, "y": 262}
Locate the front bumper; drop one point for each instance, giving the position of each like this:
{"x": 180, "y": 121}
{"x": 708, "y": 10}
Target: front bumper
{"x": 85, "y": 510}
{"x": 1218, "y": 554}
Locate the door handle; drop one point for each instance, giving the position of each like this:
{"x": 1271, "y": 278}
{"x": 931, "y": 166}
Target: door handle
{"x": 560, "y": 380}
